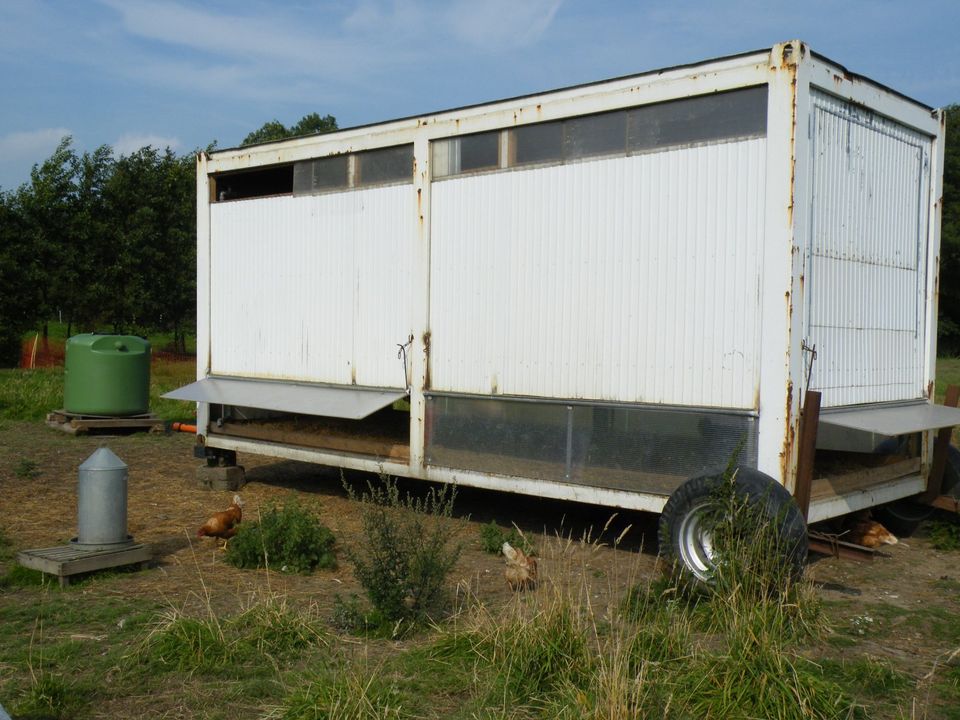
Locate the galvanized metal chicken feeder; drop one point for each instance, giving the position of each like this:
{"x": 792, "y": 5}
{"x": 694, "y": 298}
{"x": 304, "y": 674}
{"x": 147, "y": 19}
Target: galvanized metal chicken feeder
{"x": 102, "y": 541}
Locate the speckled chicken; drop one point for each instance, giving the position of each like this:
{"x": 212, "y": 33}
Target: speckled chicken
{"x": 223, "y": 524}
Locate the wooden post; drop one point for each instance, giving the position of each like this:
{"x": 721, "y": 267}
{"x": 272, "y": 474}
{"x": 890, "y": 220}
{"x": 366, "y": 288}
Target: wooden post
{"x": 809, "y": 422}
{"x": 940, "y": 446}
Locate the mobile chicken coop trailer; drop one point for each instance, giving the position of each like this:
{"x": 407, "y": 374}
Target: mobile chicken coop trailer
{"x": 595, "y": 293}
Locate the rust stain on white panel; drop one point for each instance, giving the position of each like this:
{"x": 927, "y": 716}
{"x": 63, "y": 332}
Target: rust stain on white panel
{"x": 628, "y": 279}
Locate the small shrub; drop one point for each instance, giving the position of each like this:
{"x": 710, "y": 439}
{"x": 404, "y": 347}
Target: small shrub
{"x": 348, "y": 614}
{"x": 354, "y": 616}
{"x": 290, "y": 539}
{"x": 26, "y": 469}
{"x": 407, "y": 550}
{"x": 492, "y": 538}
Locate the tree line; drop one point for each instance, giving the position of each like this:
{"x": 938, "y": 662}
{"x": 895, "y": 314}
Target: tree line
{"x": 109, "y": 243}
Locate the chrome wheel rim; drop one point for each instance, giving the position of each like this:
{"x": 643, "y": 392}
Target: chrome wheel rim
{"x": 695, "y": 541}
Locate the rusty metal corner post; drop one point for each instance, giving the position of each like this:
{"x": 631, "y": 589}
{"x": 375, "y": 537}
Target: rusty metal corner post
{"x": 809, "y": 422}
{"x": 940, "y": 446}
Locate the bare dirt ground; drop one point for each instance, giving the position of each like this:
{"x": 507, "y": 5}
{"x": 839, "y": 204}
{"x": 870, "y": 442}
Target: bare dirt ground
{"x": 902, "y": 607}
{"x": 166, "y": 506}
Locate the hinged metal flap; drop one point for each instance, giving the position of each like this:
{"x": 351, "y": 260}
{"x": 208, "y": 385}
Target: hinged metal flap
{"x": 893, "y": 419}
{"x": 341, "y": 401}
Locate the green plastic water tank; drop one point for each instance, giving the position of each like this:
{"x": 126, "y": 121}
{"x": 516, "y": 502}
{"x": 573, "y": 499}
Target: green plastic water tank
{"x": 107, "y": 375}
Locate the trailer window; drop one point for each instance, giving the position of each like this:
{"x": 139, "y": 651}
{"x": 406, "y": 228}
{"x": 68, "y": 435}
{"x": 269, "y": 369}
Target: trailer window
{"x": 352, "y": 170}
{"x": 262, "y": 182}
{"x": 594, "y": 135}
{"x": 723, "y": 116}
{"x": 394, "y": 164}
{"x": 468, "y": 153}
{"x": 319, "y": 175}
{"x": 537, "y": 143}
{"x": 732, "y": 115}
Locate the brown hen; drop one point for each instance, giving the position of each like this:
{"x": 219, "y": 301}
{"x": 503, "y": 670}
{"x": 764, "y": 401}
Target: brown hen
{"x": 223, "y": 524}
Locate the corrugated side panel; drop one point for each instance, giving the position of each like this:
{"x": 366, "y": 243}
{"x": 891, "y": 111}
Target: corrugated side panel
{"x": 313, "y": 288}
{"x": 631, "y": 279}
{"x": 867, "y": 259}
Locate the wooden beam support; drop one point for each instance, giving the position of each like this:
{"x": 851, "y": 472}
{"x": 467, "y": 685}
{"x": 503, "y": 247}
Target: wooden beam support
{"x": 809, "y": 422}
{"x": 940, "y": 446}
{"x": 832, "y": 545}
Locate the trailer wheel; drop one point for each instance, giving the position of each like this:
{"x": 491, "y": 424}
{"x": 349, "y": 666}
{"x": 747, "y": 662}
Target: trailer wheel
{"x": 686, "y": 531}
{"x": 904, "y": 516}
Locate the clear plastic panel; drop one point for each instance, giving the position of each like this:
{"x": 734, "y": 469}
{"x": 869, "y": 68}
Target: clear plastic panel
{"x": 643, "y": 449}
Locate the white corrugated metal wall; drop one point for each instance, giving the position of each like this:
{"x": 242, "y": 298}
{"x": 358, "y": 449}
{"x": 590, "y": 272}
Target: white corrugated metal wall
{"x": 631, "y": 279}
{"x": 291, "y": 280}
{"x": 866, "y": 262}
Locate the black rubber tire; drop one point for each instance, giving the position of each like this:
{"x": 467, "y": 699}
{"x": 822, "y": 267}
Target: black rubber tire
{"x": 903, "y": 517}
{"x": 698, "y": 496}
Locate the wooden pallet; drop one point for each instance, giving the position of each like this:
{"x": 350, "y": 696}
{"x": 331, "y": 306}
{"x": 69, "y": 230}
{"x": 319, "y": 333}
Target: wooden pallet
{"x": 65, "y": 561}
{"x": 75, "y": 424}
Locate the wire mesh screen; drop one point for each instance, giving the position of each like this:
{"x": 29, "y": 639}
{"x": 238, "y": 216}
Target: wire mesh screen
{"x": 643, "y": 449}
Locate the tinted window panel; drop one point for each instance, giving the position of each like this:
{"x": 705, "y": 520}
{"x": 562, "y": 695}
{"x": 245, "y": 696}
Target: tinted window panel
{"x": 724, "y": 116}
{"x": 393, "y": 164}
{"x": 478, "y": 152}
{"x": 319, "y": 175}
{"x": 595, "y": 135}
{"x": 538, "y": 143}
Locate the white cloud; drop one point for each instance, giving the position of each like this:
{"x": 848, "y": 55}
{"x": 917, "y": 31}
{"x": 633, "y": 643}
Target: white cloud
{"x": 247, "y": 39}
{"x": 131, "y": 142}
{"x": 30, "y": 143}
{"x": 497, "y": 24}
{"x": 20, "y": 151}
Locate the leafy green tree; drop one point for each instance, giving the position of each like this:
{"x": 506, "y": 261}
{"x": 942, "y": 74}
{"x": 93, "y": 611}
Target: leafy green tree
{"x": 47, "y": 204}
{"x": 87, "y": 280}
{"x": 18, "y": 279}
{"x": 949, "y": 330}
{"x": 150, "y": 198}
{"x": 311, "y": 124}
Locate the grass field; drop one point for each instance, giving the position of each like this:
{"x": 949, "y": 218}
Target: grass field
{"x": 603, "y": 637}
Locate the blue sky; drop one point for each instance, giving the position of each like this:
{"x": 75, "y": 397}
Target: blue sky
{"x": 185, "y": 73}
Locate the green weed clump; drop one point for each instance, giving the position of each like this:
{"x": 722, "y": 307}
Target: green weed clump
{"x": 492, "y": 538}
{"x": 49, "y": 697}
{"x": 6, "y": 546}
{"x": 20, "y": 576}
{"x": 266, "y": 629}
{"x": 348, "y": 694}
{"x": 26, "y": 469}
{"x": 290, "y": 539}
{"x": 945, "y": 534}
{"x": 406, "y": 552}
